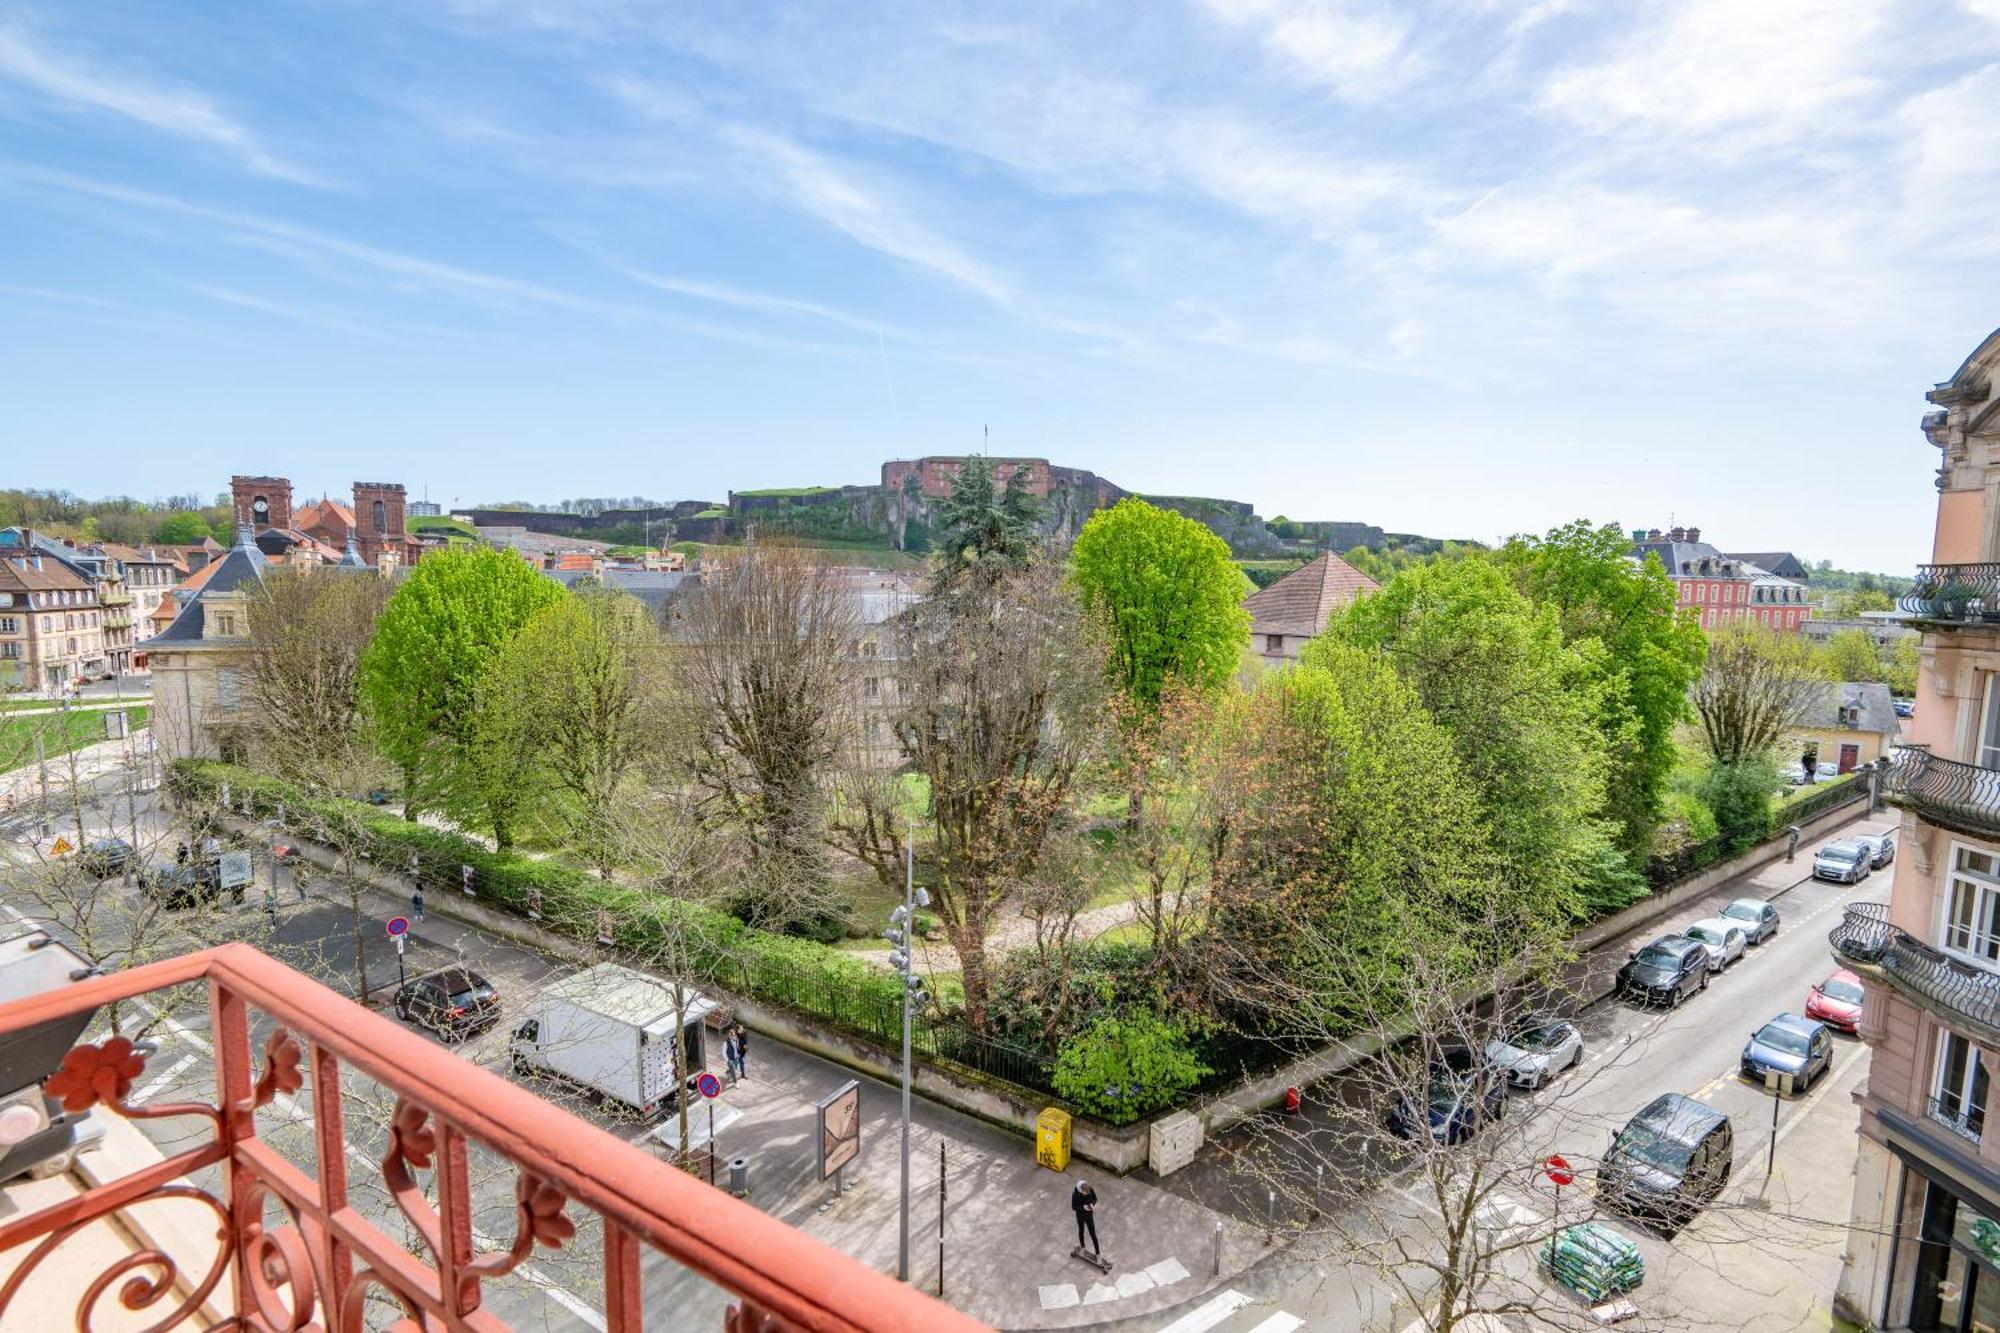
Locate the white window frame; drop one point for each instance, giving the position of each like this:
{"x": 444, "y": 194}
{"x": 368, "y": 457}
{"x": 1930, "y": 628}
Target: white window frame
{"x": 1986, "y": 752}
{"x": 1966, "y": 1094}
{"x": 1959, "y": 933}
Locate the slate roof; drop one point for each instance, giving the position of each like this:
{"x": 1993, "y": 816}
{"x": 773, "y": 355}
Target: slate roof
{"x": 655, "y": 588}
{"x": 1782, "y": 563}
{"x": 1685, "y": 559}
{"x": 1303, "y": 600}
{"x": 243, "y": 563}
{"x": 1878, "y": 713}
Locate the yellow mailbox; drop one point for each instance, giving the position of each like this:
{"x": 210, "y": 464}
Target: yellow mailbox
{"x": 1052, "y": 1139}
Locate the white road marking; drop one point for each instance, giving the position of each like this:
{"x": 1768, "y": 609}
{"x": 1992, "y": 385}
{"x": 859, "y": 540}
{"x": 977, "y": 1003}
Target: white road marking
{"x": 1210, "y": 1313}
{"x": 1279, "y": 1323}
{"x": 1058, "y": 1296}
{"x": 152, "y": 1088}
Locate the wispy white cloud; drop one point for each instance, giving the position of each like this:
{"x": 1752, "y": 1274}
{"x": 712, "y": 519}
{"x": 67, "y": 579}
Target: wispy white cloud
{"x": 817, "y": 185}
{"x": 1360, "y": 52}
{"x": 762, "y": 302}
{"x": 180, "y": 112}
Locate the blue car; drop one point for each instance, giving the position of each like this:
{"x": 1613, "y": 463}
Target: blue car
{"x": 1789, "y": 1044}
{"x": 1463, "y": 1092}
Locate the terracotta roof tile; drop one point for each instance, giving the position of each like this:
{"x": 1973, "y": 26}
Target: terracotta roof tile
{"x": 1303, "y": 600}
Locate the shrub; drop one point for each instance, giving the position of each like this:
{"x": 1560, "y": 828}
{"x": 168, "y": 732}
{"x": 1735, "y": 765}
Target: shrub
{"x": 1122, "y": 1068}
{"x": 1739, "y": 796}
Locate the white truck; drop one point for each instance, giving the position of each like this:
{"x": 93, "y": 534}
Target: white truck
{"x": 613, "y": 1030}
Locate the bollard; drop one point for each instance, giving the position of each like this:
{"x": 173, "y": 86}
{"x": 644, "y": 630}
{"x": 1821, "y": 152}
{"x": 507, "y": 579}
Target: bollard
{"x": 1319, "y": 1184}
{"x": 1218, "y": 1249}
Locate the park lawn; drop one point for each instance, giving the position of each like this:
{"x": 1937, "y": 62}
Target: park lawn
{"x": 56, "y": 733}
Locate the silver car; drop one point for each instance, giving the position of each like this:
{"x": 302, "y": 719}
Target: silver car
{"x": 1757, "y": 917}
{"x": 1881, "y": 847}
{"x": 1532, "y": 1051}
{"x": 1726, "y": 940}
{"x": 1844, "y": 862}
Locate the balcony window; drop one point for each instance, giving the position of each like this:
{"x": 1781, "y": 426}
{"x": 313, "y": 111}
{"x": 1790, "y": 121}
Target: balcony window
{"x": 1958, "y": 1091}
{"x": 1972, "y": 907}
{"x": 1989, "y": 725}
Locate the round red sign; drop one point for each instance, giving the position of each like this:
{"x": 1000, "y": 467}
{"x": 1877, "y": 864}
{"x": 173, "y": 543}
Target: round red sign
{"x": 1557, "y": 1169}
{"x": 708, "y": 1085}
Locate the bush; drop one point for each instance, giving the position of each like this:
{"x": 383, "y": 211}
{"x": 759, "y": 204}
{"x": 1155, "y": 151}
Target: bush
{"x": 1739, "y": 796}
{"x": 1122, "y": 1068}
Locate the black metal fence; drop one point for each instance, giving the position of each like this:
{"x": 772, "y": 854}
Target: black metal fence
{"x": 1865, "y": 938}
{"x": 1960, "y": 796}
{"x": 1669, "y": 868}
{"x": 1968, "y": 594}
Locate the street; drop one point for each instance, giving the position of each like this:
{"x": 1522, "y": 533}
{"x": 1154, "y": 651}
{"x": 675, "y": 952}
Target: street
{"x": 1004, "y": 1236}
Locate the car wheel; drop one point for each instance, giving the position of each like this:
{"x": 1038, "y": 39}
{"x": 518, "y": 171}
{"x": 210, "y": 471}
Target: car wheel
{"x": 1674, "y": 998}
{"x": 1576, "y": 1058}
{"x": 1704, "y": 981}
{"x": 402, "y": 1011}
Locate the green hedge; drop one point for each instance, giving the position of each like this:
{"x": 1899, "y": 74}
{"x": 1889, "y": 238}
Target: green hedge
{"x": 798, "y": 973}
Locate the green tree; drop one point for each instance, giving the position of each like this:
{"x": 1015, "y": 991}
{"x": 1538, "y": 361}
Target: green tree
{"x": 1522, "y": 708}
{"x": 581, "y": 688}
{"x": 1849, "y": 654}
{"x": 982, "y": 533}
{"x": 1901, "y": 670}
{"x": 1647, "y": 656}
{"x": 1756, "y": 684}
{"x": 1738, "y": 794}
{"x": 423, "y": 671}
{"x": 182, "y": 529}
{"x": 1167, "y": 590}
{"x": 1120, "y": 1068}
{"x": 1850, "y": 603}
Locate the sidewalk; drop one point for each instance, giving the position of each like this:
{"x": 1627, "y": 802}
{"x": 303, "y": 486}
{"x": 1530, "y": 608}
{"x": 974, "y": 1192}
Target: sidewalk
{"x": 1008, "y": 1229}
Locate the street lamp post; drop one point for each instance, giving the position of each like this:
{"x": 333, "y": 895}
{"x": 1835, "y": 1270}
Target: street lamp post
{"x": 901, "y": 933}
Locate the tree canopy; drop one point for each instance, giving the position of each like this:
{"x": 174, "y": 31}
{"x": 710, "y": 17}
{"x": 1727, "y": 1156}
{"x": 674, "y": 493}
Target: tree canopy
{"x": 1755, "y": 685}
{"x": 982, "y": 533}
{"x": 1169, "y": 595}
{"x": 422, "y": 673}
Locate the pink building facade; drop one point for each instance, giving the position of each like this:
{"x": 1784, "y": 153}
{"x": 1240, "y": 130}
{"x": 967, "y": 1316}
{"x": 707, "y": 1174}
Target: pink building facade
{"x": 1924, "y": 1245}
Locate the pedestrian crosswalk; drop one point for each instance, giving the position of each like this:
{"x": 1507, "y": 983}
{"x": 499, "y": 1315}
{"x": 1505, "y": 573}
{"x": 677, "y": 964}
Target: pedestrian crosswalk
{"x": 1232, "y": 1311}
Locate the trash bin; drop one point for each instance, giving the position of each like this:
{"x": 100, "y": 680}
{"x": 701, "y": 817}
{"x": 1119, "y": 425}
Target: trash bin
{"x": 739, "y": 1175}
{"x": 1052, "y": 1139}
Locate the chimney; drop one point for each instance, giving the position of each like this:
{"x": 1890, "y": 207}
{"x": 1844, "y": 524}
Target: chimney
{"x": 262, "y": 502}
{"x": 1694, "y": 534}
{"x": 1678, "y": 534}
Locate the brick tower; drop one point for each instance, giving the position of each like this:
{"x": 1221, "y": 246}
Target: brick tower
{"x": 378, "y": 522}
{"x": 265, "y": 501}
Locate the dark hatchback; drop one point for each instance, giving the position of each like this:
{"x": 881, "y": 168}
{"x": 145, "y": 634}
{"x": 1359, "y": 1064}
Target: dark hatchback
{"x": 1669, "y": 1160}
{"x": 456, "y": 1003}
{"x": 1463, "y": 1091}
{"x": 1666, "y": 971}
{"x": 104, "y": 857}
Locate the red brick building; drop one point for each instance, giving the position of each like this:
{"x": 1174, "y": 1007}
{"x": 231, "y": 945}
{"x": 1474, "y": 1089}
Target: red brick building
{"x": 935, "y": 475}
{"x": 1723, "y": 589}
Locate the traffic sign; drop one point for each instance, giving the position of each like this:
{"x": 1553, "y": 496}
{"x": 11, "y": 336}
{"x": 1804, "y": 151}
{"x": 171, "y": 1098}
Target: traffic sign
{"x": 62, "y": 847}
{"x": 1558, "y": 1170}
{"x": 398, "y": 927}
{"x": 708, "y": 1085}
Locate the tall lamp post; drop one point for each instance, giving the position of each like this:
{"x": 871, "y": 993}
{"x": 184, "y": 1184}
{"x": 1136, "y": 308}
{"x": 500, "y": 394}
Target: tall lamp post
{"x": 901, "y": 931}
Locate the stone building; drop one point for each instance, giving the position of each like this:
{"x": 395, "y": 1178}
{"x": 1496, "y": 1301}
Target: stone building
{"x": 318, "y": 533}
{"x": 51, "y": 622}
{"x": 1295, "y": 608}
{"x": 1923, "y": 1248}
{"x": 201, "y": 662}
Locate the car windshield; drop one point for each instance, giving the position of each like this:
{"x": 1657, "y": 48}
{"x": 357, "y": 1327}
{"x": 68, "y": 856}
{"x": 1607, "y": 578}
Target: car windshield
{"x": 1744, "y": 911}
{"x": 1849, "y": 854}
{"x": 1446, "y": 1089}
{"x": 472, "y": 994}
{"x": 1658, "y": 956}
{"x": 1706, "y": 934}
{"x": 1643, "y": 1143}
{"x": 1537, "y": 1038}
{"x": 1782, "y": 1037}
{"x": 1840, "y": 988}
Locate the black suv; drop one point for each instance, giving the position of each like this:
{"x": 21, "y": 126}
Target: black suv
{"x": 1665, "y": 971}
{"x": 456, "y": 1003}
{"x": 1669, "y": 1160}
{"x": 102, "y": 858}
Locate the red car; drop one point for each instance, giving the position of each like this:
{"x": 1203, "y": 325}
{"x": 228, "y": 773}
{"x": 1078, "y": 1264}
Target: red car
{"x": 1836, "y": 1001}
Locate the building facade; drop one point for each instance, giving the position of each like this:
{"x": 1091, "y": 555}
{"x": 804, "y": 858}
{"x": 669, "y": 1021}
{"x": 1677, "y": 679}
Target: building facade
{"x": 1924, "y": 1246}
{"x": 1723, "y": 589}
{"x": 1848, "y": 724}
{"x": 51, "y": 623}
{"x": 1286, "y": 615}
{"x": 201, "y": 662}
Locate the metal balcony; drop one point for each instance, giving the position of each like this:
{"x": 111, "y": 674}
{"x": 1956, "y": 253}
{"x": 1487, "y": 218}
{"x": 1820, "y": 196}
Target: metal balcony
{"x": 1955, "y": 594}
{"x": 296, "y": 1247}
{"x": 1960, "y": 993}
{"x": 1962, "y": 797}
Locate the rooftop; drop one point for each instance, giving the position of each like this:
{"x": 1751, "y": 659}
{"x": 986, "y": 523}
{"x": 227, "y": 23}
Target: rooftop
{"x": 1302, "y": 601}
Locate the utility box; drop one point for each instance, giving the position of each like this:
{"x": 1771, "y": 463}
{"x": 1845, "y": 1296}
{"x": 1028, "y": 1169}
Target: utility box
{"x": 1052, "y": 1139}
{"x": 1173, "y": 1142}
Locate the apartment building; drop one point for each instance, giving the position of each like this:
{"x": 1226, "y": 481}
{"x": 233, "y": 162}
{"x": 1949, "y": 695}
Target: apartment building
{"x": 51, "y": 624}
{"x": 1724, "y": 589}
{"x": 1924, "y": 1246}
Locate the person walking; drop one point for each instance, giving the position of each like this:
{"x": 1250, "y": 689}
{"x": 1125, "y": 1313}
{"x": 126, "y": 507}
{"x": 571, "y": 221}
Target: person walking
{"x": 730, "y": 1054}
{"x": 1083, "y": 1202}
{"x": 417, "y": 903}
{"x": 742, "y": 1051}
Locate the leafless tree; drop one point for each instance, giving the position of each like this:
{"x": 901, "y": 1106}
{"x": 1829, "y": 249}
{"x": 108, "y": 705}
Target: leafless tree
{"x": 1756, "y": 685}
{"x": 767, "y": 655}
{"x": 1000, "y": 704}
{"x": 309, "y": 627}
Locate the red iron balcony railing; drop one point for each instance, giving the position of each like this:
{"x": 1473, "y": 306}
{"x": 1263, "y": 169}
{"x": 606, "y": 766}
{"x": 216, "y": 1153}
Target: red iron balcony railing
{"x": 295, "y": 1248}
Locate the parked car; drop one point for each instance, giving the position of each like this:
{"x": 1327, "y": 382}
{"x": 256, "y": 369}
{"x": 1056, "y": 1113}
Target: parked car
{"x": 1668, "y": 970}
{"x": 1789, "y": 1044}
{"x": 105, "y": 857}
{"x": 1836, "y": 1002}
{"x": 1725, "y": 940}
{"x": 1881, "y": 847}
{"x": 1823, "y": 771}
{"x": 1758, "y": 918}
{"x": 1904, "y": 707}
{"x": 1844, "y": 862}
{"x": 1462, "y": 1094}
{"x": 1533, "y": 1051}
{"x": 455, "y": 1003}
{"x": 1669, "y": 1160}
{"x": 194, "y": 884}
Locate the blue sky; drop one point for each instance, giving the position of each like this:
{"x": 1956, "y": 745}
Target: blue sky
{"x": 1465, "y": 268}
